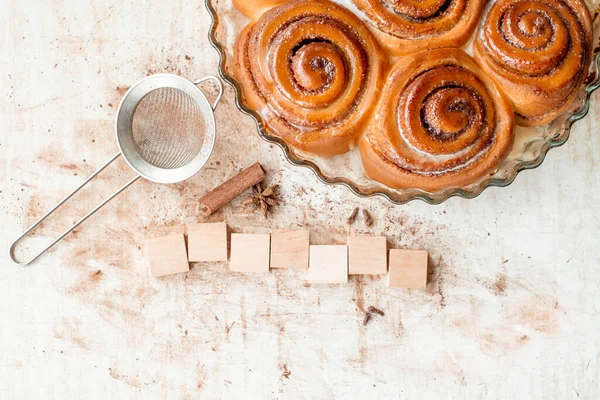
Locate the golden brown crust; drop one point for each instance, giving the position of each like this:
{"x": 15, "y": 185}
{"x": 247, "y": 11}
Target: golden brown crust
{"x": 254, "y": 9}
{"x": 441, "y": 122}
{"x": 312, "y": 69}
{"x": 405, "y": 26}
{"x": 538, "y": 51}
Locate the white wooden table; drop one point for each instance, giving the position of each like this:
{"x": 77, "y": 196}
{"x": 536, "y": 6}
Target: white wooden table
{"x": 512, "y": 310}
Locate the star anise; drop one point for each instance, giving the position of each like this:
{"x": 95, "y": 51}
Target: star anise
{"x": 262, "y": 199}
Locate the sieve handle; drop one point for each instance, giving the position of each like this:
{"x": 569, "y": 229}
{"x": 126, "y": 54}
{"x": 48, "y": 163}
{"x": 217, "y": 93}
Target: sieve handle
{"x": 219, "y": 84}
{"x": 85, "y": 217}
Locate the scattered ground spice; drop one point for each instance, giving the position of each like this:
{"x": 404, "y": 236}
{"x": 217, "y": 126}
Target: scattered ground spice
{"x": 285, "y": 372}
{"x": 96, "y": 276}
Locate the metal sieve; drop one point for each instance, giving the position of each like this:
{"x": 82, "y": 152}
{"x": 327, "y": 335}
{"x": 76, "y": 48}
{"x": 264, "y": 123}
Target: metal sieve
{"x": 166, "y": 132}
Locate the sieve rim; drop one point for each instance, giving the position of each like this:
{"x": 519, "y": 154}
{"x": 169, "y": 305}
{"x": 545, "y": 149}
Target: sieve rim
{"x": 125, "y": 111}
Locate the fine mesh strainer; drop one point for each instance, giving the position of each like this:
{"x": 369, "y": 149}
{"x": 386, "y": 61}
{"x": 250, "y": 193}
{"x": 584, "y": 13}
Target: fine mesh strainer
{"x": 165, "y": 131}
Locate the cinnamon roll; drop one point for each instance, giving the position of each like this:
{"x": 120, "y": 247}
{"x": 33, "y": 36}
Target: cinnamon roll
{"x": 538, "y": 51}
{"x": 441, "y": 122}
{"x": 253, "y": 9}
{"x": 406, "y": 26}
{"x": 312, "y": 69}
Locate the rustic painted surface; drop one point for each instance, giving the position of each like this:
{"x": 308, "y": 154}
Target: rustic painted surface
{"x": 512, "y": 310}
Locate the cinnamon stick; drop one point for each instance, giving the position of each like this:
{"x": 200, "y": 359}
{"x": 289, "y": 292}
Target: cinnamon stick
{"x": 231, "y": 189}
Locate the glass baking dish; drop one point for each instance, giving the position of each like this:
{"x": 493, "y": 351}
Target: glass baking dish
{"x": 529, "y": 151}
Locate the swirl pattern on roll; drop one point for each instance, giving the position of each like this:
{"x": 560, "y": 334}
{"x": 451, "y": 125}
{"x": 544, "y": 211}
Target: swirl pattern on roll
{"x": 539, "y": 52}
{"x": 406, "y": 26}
{"x": 441, "y": 123}
{"x": 312, "y": 69}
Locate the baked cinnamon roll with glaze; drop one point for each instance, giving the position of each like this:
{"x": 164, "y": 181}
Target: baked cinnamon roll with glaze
{"x": 441, "y": 122}
{"x": 407, "y": 26}
{"x": 253, "y": 9}
{"x": 312, "y": 70}
{"x": 539, "y": 52}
